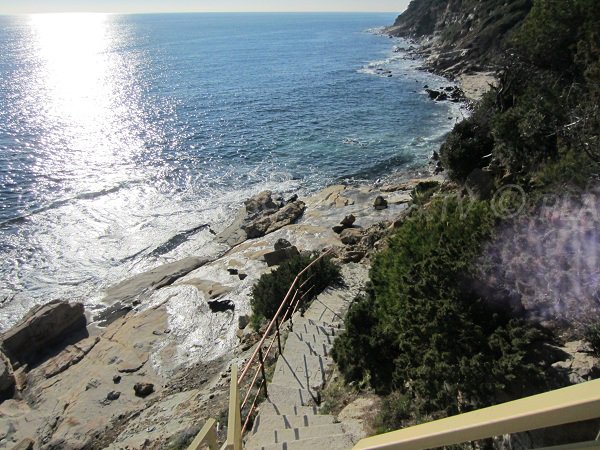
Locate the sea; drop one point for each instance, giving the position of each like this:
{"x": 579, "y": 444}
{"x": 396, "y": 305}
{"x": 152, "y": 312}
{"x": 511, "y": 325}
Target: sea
{"x": 127, "y": 141}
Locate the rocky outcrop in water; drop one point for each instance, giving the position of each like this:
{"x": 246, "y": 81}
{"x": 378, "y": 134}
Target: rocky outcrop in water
{"x": 260, "y": 216}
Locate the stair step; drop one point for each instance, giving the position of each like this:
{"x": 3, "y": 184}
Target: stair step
{"x": 264, "y": 438}
{"x": 335, "y": 442}
{"x": 297, "y": 344}
{"x": 286, "y": 395}
{"x": 300, "y": 370}
{"x": 273, "y": 409}
{"x": 312, "y": 338}
{"x": 308, "y": 326}
{"x": 265, "y": 423}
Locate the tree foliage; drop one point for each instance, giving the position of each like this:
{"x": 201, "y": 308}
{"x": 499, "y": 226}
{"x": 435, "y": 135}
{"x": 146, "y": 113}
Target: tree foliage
{"x": 422, "y": 330}
{"x": 271, "y": 288}
{"x": 547, "y": 103}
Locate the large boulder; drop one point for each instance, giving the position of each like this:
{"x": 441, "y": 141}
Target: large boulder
{"x": 260, "y": 203}
{"x": 267, "y": 223}
{"x": 42, "y": 327}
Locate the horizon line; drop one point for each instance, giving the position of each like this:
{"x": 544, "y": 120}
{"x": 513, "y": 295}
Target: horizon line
{"x": 198, "y": 12}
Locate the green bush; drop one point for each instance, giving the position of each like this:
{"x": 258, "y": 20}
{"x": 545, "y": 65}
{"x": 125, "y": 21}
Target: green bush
{"x": 395, "y": 409}
{"x": 272, "y": 287}
{"x": 469, "y": 142}
{"x": 422, "y": 330}
{"x": 592, "y": 335}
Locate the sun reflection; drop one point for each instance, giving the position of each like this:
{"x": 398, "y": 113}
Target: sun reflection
{"x": 73, "y": 49}
{"x": 88, "y": 108}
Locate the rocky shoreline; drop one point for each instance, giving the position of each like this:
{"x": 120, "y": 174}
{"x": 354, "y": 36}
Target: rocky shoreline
{"x": 153, "y": 366}
{"x": 157, "y": 367}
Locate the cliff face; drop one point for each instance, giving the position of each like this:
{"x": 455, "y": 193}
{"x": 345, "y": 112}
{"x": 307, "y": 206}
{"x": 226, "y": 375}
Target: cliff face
{"x": 461, "y": 36}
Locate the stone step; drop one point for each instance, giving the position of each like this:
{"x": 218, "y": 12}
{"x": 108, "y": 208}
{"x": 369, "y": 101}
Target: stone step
{"x": 327, "y": 308}
{"x": 266, "y": 423}
{"x": 309, "y": 326}
{"x": 301, "y": 370}
{"x": 313, "y": 338}
{"x": 335, "y": 442}
{"x": 298, "y": 344}
{"x": 292, "y": 396}
{"x": 279, "y": 436}
{"x": 269, "y": 408}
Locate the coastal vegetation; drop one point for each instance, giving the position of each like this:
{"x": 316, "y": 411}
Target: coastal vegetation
{"x": 425, "y": 335}
{"x": 272, "y": 287}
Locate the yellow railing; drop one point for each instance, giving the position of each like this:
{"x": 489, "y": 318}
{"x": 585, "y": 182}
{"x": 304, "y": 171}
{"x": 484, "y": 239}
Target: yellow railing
{"x": 568, "y": 405}
{"x": 206, "y": 437}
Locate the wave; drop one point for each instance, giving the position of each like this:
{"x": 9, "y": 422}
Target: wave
{"x": 63, "y": 202}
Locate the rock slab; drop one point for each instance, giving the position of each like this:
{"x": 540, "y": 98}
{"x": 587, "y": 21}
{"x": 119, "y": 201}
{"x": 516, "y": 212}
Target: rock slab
{"x": 42, "y": 327}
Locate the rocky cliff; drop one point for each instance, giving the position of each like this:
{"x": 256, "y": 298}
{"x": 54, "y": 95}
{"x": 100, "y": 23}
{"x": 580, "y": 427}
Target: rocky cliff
{"x": 461, "y": 36}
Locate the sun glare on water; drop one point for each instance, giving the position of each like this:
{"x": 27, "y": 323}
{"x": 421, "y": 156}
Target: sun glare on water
{"x": 85, "y": 85}
{"x": 72, "y": 49}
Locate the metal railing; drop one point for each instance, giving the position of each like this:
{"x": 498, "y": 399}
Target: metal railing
{"x": 568, "y": 405}
{"x": 299, "y": 291}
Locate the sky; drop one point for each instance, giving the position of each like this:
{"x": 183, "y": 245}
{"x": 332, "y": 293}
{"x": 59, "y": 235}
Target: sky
{"x": 133, "y": 6}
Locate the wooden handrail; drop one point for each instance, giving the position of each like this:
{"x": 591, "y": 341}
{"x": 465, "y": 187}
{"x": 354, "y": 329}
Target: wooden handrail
{"x": 206, "y": 436}
{"x": 568, "y": 405}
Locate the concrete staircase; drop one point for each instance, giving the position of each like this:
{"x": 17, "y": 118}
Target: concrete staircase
{"x": 289, "y": 419}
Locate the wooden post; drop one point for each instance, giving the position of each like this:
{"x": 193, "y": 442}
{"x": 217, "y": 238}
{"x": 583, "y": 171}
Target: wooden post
{"x": 234, "y": 420}
{"x": 207, "y": 435}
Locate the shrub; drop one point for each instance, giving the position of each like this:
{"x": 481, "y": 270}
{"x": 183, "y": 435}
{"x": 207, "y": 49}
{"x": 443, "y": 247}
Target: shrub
{"x": 592, "y": 335}
{"x": 469, "y": 142}
{"x": 395, "y": 409}
{"x": 272, "y": 288}
{"x": 422, "y": 330}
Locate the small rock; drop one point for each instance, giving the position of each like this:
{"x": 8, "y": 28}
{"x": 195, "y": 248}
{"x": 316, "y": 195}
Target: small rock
{"x": 292, "y": 199}
{"x": 143, "y": 389}
{"x": 113, "y": 395}
{"x": 338, "y": 229}
{"x": 351, "y": 236}
{"x": 116, "y": 379}
{"x": 242, "y": 276}
{"x": 281, "y": 244}
{"x": 243, "y": 322}
{"x": 93, "y": 384}
{"x": 380, "y": 203}
{"x": 353, "y": 256}
{"x": 348, "y": 221}
{"x": 232, "y": 271}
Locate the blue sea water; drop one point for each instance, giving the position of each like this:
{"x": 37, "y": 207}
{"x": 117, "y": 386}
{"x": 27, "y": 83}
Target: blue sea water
{"x": 118, "y": 132}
